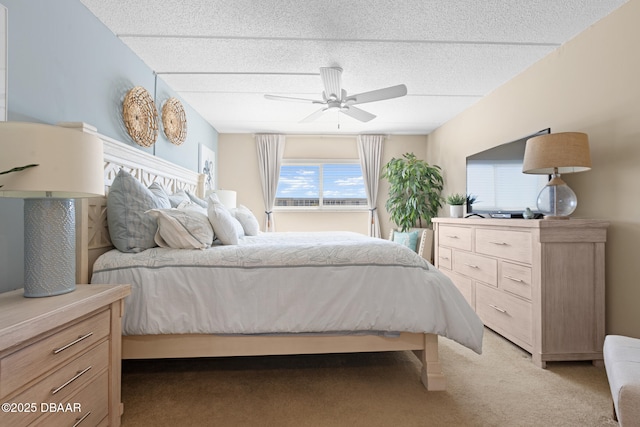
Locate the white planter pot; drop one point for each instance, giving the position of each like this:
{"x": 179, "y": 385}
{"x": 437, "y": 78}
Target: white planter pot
{"x": 456, "y": 211}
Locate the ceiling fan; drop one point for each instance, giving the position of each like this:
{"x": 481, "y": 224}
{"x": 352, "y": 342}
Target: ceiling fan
{"x": 335, "y": 98}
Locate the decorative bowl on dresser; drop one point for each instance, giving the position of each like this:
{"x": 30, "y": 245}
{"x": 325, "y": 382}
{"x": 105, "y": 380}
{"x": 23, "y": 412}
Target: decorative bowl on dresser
{"x": 60, "y": 357}
{"x": 538, "y": 283}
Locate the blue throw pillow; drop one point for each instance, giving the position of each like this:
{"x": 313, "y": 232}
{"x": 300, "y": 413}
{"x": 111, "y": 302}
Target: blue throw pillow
{"x": 408, "y": 239}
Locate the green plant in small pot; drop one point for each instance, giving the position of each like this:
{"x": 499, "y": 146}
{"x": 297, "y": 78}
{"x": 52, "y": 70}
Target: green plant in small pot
{"x": 471, "y": 199}
{"x": 456, "y": 202}
{"x": 415, "y": 189}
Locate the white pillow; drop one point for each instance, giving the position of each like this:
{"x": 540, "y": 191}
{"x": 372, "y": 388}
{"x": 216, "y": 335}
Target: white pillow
{"x": 225, "y": 226}
{"x": 247, "y": 219}
{"x": 182, "y": 229}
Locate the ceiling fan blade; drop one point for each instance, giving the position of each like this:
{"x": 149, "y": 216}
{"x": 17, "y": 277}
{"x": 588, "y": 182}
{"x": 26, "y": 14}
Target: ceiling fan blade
{"x": 292, "y": 99}
{"x": 311, "y": 117}
{"x": 377, "y": 95}
{"x": 358, "y": 114}
{"x": 332, "y": 80}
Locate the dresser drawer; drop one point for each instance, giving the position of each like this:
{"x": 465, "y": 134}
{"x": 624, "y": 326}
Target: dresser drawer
{"x": 506, "y": 314}
{"x": 516, "y": 279}
{"x": 477, "y": 267}
{"x": 507, "y": 244}
{"x": 88, "y": 407}
{"x": 32, "y": 361}
{"x": 463, "y": 284}
{"x": 59, "y": 385}
{"x": 444, "y": 258}
{"x": 455, "y": 237}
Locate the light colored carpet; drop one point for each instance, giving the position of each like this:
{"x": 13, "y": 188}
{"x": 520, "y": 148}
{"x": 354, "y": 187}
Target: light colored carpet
{"x": 501, "y": 387}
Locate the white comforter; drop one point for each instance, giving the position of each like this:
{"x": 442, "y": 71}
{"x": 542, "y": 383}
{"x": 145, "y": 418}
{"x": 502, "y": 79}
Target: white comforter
{"x": 279, "y": 283}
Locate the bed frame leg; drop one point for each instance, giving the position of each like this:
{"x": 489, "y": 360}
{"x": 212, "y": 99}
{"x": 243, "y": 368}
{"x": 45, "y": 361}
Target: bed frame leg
{"x": 431, "y": 375}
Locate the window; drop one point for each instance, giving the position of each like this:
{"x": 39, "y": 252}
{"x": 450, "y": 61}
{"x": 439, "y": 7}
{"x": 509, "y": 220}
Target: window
{"x": 321, "y": 185}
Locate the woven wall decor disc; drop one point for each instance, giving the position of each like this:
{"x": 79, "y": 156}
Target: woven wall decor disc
{"x": 174, "y": 121}
{"x": 140, "y": 116}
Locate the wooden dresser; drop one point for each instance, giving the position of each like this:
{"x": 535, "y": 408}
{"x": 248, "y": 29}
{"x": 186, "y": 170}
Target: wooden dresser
{"x": 539, "y": 283}
{"x": 60, "y": 357}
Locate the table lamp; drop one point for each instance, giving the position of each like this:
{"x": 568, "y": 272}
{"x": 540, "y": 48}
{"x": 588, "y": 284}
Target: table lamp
{"x": 68, "y": 164}
{"x": 227, "y": 198}
{"x": 555, "y": 154}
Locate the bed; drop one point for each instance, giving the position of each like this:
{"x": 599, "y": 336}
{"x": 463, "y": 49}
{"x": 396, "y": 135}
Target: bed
{"x": 273, "y": 293}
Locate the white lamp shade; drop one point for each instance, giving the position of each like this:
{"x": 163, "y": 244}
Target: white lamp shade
{"x": 227, "y": 198}
{"x": 70, "y": 162}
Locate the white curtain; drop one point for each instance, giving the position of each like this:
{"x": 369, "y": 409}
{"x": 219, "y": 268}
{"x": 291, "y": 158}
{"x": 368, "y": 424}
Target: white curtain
{"x": 370, "y": 151}
{"x": 270, "y": 151}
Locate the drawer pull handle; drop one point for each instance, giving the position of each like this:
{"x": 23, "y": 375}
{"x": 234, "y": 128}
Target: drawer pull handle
{"x": 444, "y": 257}
{"x": 79, "y": 420}
{"x": 515, "y": 279}
{"x": 471, "y": 265}
{"x": 452, "y": 236}
{"x": 72, "y": 379}
{"x": 499, "y": 243}
{"x": 501, "y": 310}
{"x": 83, "y": 337}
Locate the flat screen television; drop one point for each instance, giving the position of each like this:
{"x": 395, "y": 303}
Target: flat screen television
{"x": 495, "y": 177}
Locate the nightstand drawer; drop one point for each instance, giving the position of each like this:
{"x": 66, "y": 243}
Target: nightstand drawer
{"x": 477, "y": 267}
{"x": 86, "y": 408}
{"x": 32, "y": 361}
{"x": 506, "y": 314}
{"x": 455, "y": 237}
{"x": 513, "y": 245}
{"x": 516, "y": 279}
{"x": 444, "y": 258}
{"x": 59, "y": 385}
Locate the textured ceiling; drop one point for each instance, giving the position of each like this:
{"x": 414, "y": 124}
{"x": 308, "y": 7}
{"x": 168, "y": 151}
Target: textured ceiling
{"x": 223, "y": 56}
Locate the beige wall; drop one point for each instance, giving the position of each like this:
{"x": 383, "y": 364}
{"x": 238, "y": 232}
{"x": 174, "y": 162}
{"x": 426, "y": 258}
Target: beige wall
{"x": 237, "y": 170}
{"x": 591, "y": 85}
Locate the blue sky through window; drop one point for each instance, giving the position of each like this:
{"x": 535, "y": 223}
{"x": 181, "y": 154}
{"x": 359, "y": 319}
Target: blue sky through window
{"x": 340, "y": 180}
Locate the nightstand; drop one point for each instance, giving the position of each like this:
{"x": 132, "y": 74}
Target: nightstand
{"x": 60, "y": 357}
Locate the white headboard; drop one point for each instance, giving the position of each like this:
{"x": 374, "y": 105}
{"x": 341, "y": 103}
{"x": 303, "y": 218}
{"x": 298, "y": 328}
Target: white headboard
{"x": 92, "y": 233}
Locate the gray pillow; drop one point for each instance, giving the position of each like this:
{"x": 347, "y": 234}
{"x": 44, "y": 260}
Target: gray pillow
{"x": 178, "y": 197}
{"x": 197, "y": 200}
{"x": 161, "y": 195}
{"x": 130, "y": 229}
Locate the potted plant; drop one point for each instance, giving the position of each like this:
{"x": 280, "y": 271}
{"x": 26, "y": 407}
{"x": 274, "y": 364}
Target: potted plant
{"x": 471, "y": 199}
{"x": 456, "y": 203}
{"x": 414, "y": 194}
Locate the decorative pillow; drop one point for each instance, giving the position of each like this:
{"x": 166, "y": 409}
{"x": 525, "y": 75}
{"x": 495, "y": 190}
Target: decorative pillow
{"x": 197, "y": 200}
{"x": 225, "y": 226}
{"x": 178, "y": 197}
{"x": 182, "y": 228}
{"x": 161, "y": 195}
{"x": 130, "y": 229}
{"x": 408, "y": 239}
{"x": 247, "y": 219}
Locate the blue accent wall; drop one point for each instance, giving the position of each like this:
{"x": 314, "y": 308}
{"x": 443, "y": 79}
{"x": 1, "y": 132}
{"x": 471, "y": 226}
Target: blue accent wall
{"x": 65, "y": 66}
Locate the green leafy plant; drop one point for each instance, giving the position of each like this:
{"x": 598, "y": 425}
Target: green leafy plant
{"x": 456, "y": 199}
{"x": 17, "y": 169}
{"x": 414, "y": 192}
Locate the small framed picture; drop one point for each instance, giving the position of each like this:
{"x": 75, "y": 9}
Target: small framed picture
{"x": 206, "y": 166}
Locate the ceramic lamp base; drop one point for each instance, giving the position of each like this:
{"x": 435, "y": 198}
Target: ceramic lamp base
{"x": 49, "y": 247}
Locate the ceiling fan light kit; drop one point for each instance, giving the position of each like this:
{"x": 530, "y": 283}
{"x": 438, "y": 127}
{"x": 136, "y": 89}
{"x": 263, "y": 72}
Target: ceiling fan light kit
{"x": 335, "y": 98}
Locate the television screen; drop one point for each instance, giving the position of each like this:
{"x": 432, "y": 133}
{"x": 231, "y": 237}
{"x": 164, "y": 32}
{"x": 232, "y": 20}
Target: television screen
{"x": 495, "y": 177}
